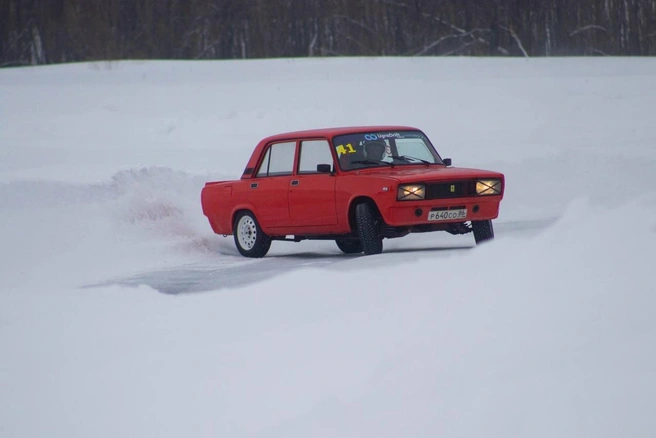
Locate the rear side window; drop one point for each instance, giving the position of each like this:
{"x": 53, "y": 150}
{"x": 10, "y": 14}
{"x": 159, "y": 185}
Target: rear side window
{"x": 278, "y": 160}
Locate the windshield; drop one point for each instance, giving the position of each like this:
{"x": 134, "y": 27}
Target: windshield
{"x": 371, "y": 149}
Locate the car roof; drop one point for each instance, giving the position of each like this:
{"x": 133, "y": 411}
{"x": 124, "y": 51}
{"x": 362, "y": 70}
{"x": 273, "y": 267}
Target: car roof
{"x": 331, "y": 132}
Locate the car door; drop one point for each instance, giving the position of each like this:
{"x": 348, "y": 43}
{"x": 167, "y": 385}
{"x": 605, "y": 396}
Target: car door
{"x": 269, "y": 188}
{"x": 312, "y": 193}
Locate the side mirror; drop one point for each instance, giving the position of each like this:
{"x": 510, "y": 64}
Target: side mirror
{"x": 446, "y": 161}
{"x": 324, "y": 168}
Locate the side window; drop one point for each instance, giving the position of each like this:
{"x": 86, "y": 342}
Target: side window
{"x": 278, "y": 160}
{"x": 264, "y": 167}
{"x": 314, "y": 152}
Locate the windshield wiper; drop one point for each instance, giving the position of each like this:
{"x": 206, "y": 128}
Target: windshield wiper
{"x": 408, "y": 158}
{"x": 371, "y": 162}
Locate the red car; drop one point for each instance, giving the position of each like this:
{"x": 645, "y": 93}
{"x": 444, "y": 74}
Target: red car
{"x": 355, "y": 186}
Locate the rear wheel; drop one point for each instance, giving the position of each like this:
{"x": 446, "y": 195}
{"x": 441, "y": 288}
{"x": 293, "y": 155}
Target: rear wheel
{"x": 250, "y": 240}
{"x": 483, "y": 230}
{"x": 349, "y": 246}
{"x": 367, "y": 227}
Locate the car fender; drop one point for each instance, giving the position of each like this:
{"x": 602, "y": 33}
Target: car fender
{"x": 241, "y": 207}
{"x": 378, "y": 191}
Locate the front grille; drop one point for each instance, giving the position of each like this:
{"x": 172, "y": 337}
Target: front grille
{"x": 456, "y": 189}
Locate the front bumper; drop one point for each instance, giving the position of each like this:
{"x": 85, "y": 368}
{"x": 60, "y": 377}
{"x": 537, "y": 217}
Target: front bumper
{"x": 416, "y": 212}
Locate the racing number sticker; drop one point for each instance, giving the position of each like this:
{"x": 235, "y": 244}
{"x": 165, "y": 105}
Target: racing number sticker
{"x": 345, "y": 149}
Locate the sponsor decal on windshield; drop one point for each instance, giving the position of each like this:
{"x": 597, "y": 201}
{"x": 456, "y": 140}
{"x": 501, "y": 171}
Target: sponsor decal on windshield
{"x": 390, "y": 135}
{"x": 384, "y": 135}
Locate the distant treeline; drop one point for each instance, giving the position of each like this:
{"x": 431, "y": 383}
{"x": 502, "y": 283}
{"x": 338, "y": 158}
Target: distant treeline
{"x": 53, "y": 31}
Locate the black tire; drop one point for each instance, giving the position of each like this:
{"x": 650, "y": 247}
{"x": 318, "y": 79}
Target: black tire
{"x": 349, "y": 246}
{"x": 483, "y": 230}
{"x": 250, "y": 240}
{"x": 367, "y": 226}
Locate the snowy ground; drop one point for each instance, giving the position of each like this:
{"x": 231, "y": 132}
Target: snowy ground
{"x": 121, "y": 314}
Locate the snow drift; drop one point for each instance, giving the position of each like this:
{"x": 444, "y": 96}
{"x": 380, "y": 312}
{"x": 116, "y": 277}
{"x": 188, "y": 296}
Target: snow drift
{"x": 545, "y": 331}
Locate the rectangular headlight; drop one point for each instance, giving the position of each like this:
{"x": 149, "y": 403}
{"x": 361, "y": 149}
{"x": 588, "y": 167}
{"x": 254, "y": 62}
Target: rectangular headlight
{"x": 411, "y": 192}
{"x": 488, "y": 187}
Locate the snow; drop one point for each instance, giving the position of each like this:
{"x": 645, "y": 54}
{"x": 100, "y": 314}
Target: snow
{"x": 121, "y": 314}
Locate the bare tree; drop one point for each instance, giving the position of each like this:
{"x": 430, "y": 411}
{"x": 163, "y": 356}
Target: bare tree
{"x": 50, "y": 31}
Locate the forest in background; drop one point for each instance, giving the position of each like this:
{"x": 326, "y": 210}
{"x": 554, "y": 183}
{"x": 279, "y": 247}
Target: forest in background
{"x": 36, "y": 32}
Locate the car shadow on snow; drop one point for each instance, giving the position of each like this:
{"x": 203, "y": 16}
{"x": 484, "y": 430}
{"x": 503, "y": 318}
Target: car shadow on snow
{"x": 239, "y": 272}
{"x": 226, "y": 269}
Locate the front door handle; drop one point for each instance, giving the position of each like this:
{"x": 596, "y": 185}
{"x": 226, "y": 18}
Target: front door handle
{"x": 295, "y": 182}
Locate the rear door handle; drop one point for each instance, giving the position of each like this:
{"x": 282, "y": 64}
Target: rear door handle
{"x": 295, "y": 182}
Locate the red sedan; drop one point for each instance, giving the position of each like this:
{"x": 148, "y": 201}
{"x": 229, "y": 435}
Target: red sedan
{"x": 354, "y": 185}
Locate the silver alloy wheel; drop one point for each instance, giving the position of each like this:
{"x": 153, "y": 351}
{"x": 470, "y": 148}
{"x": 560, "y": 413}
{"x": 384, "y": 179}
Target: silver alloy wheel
{"x": 246, "y": 232}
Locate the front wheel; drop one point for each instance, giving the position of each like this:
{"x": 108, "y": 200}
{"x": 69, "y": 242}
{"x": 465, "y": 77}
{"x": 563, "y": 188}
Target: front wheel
{"x": 367, "y": 227}
{"x": 250, "y": 240}
{"x": 483, "y": 230}
{"x": 349, "y": 246}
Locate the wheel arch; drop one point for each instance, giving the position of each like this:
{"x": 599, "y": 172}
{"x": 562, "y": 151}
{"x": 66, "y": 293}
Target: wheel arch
{"x": 359, "y": 200}
{"x": 238, "y": 209}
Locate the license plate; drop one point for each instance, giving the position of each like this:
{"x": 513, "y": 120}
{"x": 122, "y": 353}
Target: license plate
{"x": 447, "y": 215}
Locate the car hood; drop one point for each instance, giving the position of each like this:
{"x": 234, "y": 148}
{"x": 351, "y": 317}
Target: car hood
{"x": 404, "y": 174}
